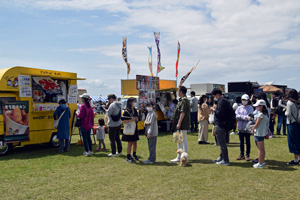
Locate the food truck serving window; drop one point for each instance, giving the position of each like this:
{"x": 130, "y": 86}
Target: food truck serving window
{"x": 47, "y": 90}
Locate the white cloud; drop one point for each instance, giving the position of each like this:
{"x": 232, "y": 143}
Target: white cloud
{"x": 235, "y": 40}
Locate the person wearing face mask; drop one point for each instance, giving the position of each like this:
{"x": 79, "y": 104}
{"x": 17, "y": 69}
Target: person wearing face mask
{"x": 114, "y": 125}
{"x": 221, "y": 114}
{"x": 181, "y": 120}
{"x": 151, "y": 130}
{"x": 130, "y": 114}
{"x": 242, "y": 115}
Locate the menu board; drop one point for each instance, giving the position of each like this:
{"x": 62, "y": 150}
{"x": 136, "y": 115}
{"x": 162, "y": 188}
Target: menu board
{"x": 24, "y": 80}
{"x": 72, "y": 98}
{"x": 25, "y": 91}
{"x": 73, "y": 89}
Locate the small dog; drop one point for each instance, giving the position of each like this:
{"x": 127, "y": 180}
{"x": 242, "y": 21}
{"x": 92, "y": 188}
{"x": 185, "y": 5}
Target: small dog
{"x": 183, "y": 158}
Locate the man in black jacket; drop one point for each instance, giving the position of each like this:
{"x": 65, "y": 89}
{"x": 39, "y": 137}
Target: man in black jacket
{"x": 220, "y": 117}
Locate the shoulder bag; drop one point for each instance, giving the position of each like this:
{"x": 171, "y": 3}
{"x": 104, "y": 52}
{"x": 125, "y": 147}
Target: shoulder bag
{"x": 56, "y": 122}
{"x": 129, "y": 128}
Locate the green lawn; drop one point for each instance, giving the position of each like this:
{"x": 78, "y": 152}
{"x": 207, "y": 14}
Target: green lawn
{"x": 38, "y": 172}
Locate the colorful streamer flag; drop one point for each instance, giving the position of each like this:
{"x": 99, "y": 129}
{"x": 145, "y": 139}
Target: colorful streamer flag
{"x": 187, "y": 75}
{"x": 157, "y": 38}
{"x": 150, "y": 60}
{"x": 124, "y": 54}
{"x": 178, "y": 52}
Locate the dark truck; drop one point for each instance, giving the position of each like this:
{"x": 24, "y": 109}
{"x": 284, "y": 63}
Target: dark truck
{"x": 242, "y": 87}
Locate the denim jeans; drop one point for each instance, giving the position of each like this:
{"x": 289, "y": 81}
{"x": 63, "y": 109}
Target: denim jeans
{"x": 194, "y": 121}
{"x": 248, "y": 143}
{"x": 87, "y": 141}
{"x": 281, "y": 121}
{"x": 64, "y": 144}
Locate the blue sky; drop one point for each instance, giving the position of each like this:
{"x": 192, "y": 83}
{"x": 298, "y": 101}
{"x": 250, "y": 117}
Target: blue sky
{"x": 235, "y": 40}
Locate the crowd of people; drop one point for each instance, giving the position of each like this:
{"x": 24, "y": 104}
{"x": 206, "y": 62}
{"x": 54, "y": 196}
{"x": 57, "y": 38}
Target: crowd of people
{"x": 248, "y": 115}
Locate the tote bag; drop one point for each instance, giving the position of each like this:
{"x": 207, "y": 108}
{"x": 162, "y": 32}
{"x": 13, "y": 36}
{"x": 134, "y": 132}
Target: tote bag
{"x": 129, "y": 128}
{"x": 211, "y": 118}
{"x": 56, "y": 122}
{"x": 178, "y": 137}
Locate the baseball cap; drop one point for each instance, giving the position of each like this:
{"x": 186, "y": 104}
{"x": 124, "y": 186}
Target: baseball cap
{"x": 260, "y": 103}
{"x": 85, "y": 95}
{"x": 245, "y": 97}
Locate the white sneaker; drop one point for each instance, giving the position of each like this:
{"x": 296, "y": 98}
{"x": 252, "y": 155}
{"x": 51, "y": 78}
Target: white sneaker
{"x": 147, "y": 162}
{"x": 175, "y": 160}
{"x": 86, "y": 153}
{"x": 222, "y": 163}
{"x": 112, "y": 155}
{"x": 232, "y": 133}
{"x": 119, "y": 154}
{"x": 258, "y": 165}
{"x": 91, "y": 153}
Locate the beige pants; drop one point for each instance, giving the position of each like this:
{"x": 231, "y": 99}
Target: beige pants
{"x": 203, "y": 131}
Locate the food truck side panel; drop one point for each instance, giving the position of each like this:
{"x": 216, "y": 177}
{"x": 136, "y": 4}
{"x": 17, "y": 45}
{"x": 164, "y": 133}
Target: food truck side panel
{"x": 40, "y": 114}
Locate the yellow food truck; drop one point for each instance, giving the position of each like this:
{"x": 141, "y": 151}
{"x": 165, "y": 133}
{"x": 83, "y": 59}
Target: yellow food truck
{"x": 28, "y": 98}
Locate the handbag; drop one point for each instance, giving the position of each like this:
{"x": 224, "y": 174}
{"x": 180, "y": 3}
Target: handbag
{"x": 211, "y": 118}
{"x": 249, "y": 126}
{"x": 129, "y": 128}
{"x": 178, "y": 137}
{"x": 56, "y": 122}
{"x": 77, "y": 122}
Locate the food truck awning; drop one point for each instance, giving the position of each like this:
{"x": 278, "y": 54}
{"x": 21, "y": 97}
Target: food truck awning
{"x": 169, "y": 89}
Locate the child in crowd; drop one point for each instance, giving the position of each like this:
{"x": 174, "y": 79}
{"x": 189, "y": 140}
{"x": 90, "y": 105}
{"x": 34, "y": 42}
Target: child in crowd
{"x": 260, "y": 130}
{"x": 151, "y": 129}
{"x": 100, "y": 133}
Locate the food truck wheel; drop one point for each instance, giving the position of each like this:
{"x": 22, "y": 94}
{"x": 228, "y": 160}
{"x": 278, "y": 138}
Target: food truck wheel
{"x": 5, "y": 149}
{"x": 54, "y": 141}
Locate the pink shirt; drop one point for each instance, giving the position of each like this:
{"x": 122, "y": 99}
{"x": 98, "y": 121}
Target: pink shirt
{"x": 87, "y": 117}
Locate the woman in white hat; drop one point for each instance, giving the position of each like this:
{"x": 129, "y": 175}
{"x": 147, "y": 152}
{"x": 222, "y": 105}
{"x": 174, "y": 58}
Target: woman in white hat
{"x": 260, "y": 130}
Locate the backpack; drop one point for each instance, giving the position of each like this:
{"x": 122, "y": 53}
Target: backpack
{"x": 297, "y": 118}
{"x": 230, "y": 121}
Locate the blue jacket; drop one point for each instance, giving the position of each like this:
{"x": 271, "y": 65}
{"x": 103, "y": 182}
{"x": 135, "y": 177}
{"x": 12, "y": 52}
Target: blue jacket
{"x": 63, "y": 130}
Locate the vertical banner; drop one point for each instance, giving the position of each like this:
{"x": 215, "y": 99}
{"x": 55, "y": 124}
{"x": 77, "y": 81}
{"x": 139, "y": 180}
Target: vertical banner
{"x": 157, "y": 39}
{"x": 150, "y": 60}
{"x": 178, "y": 52}
{"x": 124, "y": 54}
{"x": 16, "y": 121}
{"x": 187, "y": 75}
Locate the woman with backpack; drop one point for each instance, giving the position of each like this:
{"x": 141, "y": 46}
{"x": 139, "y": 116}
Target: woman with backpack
{"x": 293, "y": 126}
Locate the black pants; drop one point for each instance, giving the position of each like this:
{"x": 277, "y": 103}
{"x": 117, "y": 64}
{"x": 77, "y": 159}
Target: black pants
{"x": 114, "y": 136}
{"x": 272, "y": 123}
{"x": 242, "y": 136}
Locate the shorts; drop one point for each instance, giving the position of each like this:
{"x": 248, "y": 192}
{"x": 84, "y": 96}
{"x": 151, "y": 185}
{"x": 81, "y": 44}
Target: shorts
{"x": 259, "y": 138}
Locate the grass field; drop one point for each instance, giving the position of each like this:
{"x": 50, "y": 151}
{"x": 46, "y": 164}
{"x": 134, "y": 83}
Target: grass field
{"x": 39, "y": 172}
